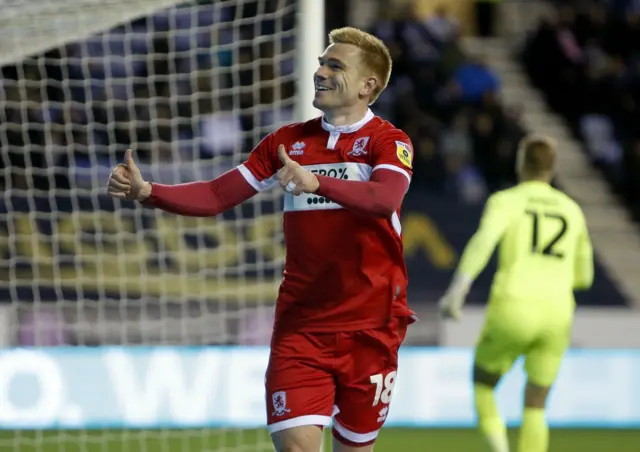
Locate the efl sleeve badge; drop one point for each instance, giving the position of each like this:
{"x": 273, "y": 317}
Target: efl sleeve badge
{"x": 404, "y": 153}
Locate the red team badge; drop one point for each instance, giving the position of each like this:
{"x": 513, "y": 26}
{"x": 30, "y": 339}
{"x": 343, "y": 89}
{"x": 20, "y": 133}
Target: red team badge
{"x": 359, "y": 147}
{"x": 279, "y": 400}
{"x": 342, "y": 312}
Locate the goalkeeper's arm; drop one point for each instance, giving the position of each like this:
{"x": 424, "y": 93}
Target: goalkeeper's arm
{"x": 583, "y": 270}
{"x": 478, "y": 251}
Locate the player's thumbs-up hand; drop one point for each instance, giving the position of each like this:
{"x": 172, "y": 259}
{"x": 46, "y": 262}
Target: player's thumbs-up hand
{"x": 293, "y": 177}
{"x": 126, "y": 182}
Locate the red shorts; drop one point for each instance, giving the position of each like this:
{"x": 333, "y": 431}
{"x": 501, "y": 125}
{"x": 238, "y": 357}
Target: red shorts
{"x": 313, "y": 377}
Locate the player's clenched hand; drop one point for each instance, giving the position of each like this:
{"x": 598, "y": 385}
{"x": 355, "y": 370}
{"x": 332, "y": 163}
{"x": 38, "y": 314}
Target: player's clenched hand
{"x": 126, "y": 182}
{"x": 293, "y": 177}
{"x": 451, "y": 306}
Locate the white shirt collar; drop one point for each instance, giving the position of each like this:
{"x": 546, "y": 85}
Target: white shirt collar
{"x": 350, "y": 127}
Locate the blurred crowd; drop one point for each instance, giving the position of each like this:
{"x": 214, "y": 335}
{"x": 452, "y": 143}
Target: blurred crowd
{"x": 448, "y": 103}
{"x": 586, "y": 59}
{"x": 197, "y": 82}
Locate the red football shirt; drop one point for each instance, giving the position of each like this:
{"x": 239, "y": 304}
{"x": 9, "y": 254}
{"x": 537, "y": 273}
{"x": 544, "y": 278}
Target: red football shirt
{"x": 344, "y": 271}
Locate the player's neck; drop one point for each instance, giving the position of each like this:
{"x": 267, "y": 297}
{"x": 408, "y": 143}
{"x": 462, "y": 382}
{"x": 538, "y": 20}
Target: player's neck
{"x": 345, "y": 117}
{"x": 539, "y": 180}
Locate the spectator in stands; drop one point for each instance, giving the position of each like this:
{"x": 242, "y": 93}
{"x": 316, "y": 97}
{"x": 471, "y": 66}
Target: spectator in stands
{"x": 456, "y": 145}
{"x": 473, "y": 80}
{"x": 429, "y": 94}
{"x": 586, "y": 60}
{"x": 486, "y": 17}
{"x": 442, "y": 26}
{"x": 451, "y": 58}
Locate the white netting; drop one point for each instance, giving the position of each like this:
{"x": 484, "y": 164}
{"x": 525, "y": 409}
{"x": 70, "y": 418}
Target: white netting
{"x": 191, "y": 88}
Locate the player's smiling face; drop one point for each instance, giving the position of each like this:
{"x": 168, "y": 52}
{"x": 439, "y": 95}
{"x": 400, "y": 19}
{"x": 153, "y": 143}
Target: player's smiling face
{"x": 341, "y": 79}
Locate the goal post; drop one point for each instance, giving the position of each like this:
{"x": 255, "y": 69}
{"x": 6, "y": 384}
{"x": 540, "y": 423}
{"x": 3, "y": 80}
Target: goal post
{"x": 191, "y": 87}
{"x": 312, "y": 37}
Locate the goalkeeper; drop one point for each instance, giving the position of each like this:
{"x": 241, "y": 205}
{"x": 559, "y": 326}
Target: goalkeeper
{"x": 545, "y": 253}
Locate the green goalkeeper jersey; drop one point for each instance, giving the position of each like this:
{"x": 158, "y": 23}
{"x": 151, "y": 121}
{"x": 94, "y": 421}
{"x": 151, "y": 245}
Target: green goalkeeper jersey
{"x": 544, "y": 248}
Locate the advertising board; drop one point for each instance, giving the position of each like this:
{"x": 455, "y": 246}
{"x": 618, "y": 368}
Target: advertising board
{"x": 183, "y": 387}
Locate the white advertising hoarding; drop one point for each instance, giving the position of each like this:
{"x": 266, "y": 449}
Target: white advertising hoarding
{"x": 179, "y": 387}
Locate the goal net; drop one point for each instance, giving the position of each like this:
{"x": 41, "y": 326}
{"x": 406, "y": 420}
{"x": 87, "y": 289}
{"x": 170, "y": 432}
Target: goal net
{"x": 191, "y": 88}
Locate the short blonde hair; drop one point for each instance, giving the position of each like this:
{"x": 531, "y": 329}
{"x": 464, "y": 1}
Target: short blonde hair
{"x": 375, "y": 54}
{"x": 538, "y": 155}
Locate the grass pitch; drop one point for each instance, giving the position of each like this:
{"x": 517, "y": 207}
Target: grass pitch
{"x": 390, "y": 440}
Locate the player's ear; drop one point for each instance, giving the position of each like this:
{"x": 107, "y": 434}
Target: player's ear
{"x": 369, "y": 87}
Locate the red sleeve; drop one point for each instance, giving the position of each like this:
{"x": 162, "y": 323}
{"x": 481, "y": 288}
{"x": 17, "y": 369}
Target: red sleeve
{"x": 381, "y": 196}
{"x": 392, "y": 150}
{"x": 202, "y": 199}
{"x": 262, "y": 164}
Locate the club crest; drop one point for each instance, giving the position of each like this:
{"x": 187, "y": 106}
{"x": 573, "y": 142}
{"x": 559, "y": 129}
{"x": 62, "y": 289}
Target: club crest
{"x": 279, "y": 401}
{"x": 359, "y": 147}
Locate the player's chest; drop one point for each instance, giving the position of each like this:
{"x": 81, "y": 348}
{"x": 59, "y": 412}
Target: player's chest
{"x": 331, "y": 149}
{"x": 349, "y": 159}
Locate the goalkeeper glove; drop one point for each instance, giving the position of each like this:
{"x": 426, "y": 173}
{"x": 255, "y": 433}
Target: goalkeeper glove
{"x": 453, "y": 300}
{"x": 451, "y": 306}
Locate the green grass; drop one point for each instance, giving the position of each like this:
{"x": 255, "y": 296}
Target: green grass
{"x": 390, "y": 440}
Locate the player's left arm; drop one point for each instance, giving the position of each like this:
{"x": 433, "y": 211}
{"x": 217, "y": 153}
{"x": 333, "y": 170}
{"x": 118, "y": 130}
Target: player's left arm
{"x": 382, "y": 195}
{"x": 583, "y": 268}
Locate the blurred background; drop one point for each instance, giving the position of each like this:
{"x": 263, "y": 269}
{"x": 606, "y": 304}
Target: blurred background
{"x": 98, "y": 298}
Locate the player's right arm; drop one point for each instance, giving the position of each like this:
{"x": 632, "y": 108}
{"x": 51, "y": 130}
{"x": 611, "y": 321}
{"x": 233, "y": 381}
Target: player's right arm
{"x": 197, "y": 199}
{"x": 583, "y": 268}
{"x": 495, "y": 220}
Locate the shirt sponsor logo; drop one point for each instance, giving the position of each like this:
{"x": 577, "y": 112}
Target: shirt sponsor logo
{"x": 310, "y": 201}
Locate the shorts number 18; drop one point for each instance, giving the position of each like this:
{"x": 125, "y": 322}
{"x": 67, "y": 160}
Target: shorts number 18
{"x": 384, "y": 387}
